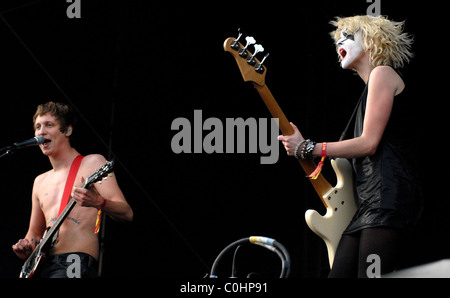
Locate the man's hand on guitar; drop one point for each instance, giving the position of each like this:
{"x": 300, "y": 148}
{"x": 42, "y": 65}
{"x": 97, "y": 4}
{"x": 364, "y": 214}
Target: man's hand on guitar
{"x": 290, "y": 142}
{"x": 87, "y": 197}
{"x": 23, "y": 248}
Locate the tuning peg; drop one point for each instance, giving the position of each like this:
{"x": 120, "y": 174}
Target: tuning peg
{"x": 235, "y": 43}
{"x": 101, "y": 180}
{"x": 259, "y": 67}
{"x": 243, "y": 52}
{"x": 258, "y": 49}
{"x": 263, "y": 59}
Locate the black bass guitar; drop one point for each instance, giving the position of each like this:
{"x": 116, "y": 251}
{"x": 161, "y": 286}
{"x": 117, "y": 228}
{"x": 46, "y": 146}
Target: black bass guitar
{"x": 37, "y": 257}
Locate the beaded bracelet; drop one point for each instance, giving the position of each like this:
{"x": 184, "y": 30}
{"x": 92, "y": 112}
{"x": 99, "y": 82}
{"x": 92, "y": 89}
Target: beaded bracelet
{"x": 302, "y": 151}
{"x": 307, "y": 150}
{"x": 298, "y": 146}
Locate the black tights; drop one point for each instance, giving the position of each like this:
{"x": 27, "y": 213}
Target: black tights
{"x": 352, "y": 252}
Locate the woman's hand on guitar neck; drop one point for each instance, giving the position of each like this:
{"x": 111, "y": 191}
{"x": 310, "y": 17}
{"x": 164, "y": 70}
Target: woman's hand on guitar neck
{"x": 290, "y": 142}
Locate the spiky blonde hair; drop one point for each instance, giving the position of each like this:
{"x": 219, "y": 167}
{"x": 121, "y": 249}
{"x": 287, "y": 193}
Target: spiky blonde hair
{"x": 384, "y": 39}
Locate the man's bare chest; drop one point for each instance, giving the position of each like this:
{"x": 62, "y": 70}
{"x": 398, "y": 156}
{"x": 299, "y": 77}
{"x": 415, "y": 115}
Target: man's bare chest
{"x": 50, "y": 192}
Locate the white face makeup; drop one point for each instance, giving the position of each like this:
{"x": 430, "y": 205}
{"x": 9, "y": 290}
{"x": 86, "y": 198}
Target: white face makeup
{"x": 350, "y": 48}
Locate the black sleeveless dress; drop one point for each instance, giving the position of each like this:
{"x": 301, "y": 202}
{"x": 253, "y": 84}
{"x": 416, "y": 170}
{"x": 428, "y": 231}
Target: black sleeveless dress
{"x": 387, "y": 184}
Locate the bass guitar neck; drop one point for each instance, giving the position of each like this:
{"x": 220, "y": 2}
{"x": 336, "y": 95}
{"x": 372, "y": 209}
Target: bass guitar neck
{"x": 321, "y": 185}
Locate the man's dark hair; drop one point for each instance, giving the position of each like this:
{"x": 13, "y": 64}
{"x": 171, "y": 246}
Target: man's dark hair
{"x": 61, "y": 111}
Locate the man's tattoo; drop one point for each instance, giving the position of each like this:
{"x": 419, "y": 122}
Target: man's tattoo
{"x": 53, "y": 219}
{"x": 74, "y": 220}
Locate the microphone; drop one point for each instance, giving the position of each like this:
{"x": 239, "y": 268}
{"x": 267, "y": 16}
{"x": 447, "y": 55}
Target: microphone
{"x": 31, "y": 142}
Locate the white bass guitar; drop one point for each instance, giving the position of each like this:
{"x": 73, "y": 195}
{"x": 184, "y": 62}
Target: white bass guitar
{"x": 339, "y": 200}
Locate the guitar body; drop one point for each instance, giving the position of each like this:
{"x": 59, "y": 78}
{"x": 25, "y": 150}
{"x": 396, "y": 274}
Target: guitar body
{"x": 341, "y": 206}
{"x": 37, "y": 257}
{"x": 31, "y": 265}
{"x": 339, "y": 201}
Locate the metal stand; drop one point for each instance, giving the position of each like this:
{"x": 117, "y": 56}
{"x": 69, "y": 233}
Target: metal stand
{"x": 7, "y": 151}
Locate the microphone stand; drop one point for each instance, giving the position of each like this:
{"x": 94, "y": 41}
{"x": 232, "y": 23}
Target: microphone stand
{"x": 9, "y": 150}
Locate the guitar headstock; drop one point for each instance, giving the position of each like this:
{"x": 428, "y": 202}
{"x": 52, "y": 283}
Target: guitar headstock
{"x": 100, "y": 173}
{"x": 251, "y": 68}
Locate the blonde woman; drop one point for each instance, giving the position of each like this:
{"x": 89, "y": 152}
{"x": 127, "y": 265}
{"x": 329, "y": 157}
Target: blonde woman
{"x": 381, "y": 145}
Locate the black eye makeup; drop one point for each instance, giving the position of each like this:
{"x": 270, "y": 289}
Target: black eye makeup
{"x": 348, "y": 36}
{"x": 351, "y": 36}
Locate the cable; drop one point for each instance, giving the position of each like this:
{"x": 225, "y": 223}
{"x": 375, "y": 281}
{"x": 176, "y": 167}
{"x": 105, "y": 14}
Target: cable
{"x": 268, "y": 243}
{"x": 233, "y": 266}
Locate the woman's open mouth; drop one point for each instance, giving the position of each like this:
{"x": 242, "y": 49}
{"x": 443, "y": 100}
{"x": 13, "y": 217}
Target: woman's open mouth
{"x": 343, "y": 53}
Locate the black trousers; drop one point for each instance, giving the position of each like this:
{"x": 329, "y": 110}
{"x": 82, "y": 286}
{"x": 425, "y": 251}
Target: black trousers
{"x": 69, "y": 265}
{"x": 355, "y": 253}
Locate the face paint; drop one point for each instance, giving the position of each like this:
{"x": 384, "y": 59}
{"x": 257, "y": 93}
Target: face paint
{"x": 350, "y": 48}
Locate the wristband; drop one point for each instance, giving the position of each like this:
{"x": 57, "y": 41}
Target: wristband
{"x": 314, "y": 175}
{"x": 99, "y": 217}
{"x": 102, "y": 205}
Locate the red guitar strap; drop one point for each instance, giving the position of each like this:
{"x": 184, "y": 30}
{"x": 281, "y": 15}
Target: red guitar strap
{"x": 69, "y": 182}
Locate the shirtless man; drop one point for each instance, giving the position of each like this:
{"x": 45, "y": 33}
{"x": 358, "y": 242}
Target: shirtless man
{"x": 54, "y": 122}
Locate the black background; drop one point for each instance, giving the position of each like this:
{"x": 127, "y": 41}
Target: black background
{"x": 129, "y": 68}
